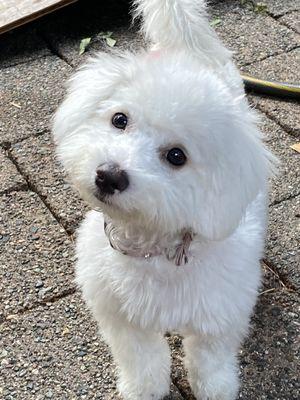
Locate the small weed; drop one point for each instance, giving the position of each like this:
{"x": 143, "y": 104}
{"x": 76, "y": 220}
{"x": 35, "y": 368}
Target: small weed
{"x": 83, "y": 45}
{"x": 107, "y": 36}
{"x": 215, "y": 22}
{"x": 258, "y": 7}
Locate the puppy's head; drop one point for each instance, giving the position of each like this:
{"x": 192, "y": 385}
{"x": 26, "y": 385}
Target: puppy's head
{"x": 161, "y": 142}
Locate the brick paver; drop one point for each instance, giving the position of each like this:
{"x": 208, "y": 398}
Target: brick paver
{"x": 292, "y": 20}
{"x": 36, "y": 255}
{"x": 284, "y": 184}
{"x": 36, "y": 159}
{"x": 285, "y": 68}
{"x": 30, "y": 93}
{"x": 251, "y": 35}
{"x": 10, "y": 177}
{"x": 279, "y": 7}
{"x": 283, "y": 244}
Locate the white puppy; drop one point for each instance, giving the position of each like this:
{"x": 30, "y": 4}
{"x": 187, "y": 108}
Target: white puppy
{"x": 163, "y": 145}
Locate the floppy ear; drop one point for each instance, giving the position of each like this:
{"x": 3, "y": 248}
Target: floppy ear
{"x": 241, "y": 174}
{"x": 87, "y": 88}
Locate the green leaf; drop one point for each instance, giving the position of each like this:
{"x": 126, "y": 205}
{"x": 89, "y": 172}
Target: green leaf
{"x": 110, "y": 41}
{"x": 257, "y": 6}
{"x": 107, "y": 36}
{"x": 215, "y": 22}
{"x": 83, "y": 45}
{"x": 260, "y": 8}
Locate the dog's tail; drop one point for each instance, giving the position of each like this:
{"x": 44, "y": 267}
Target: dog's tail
{"x": 180, "y": 24}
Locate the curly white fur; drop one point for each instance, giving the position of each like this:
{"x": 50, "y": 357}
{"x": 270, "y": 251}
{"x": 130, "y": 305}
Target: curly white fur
{"x": 170, "y": 24}
{"x": 187, "y": 93}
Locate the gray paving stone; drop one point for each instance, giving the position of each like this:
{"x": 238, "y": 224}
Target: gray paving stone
{"x": 36, "y": 159}
{"x": 126, "y": 39}
{"x": 21, "y": 45}
{"x": 283, "y": 242}
{"x": 251, "y": 35}
{"x": 269, "y": 358}
{"x": 284, "y": 68}
{"x": 67, "y": 28}
{"x": 30, "y": 93}
{"x": 286, "y": 183}
{"x": 55, "y": 352}
{"x": 36, "y": 256}
{"x": 292, "y": 20}
{"x": 279, "y": 7}
{"x": 11, "y": 179}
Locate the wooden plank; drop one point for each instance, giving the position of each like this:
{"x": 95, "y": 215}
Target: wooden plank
{"x": 14, "y": 13}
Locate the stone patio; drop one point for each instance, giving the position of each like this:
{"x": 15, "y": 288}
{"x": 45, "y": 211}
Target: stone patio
{"x": 50, "y": 348}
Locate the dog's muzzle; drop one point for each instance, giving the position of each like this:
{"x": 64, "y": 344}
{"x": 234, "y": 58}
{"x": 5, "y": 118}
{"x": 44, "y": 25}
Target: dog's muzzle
{"x": 110, "y": 179}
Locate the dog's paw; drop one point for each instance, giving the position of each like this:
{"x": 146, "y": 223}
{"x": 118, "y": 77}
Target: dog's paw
{"x": 145, "y": 389}
{"x": 129, "y": 392}
{"x": 221, "y": 385}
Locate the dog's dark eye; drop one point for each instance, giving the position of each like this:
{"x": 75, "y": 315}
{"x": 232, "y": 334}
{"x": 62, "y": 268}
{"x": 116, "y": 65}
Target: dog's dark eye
{"x": 176, "y": 157}
{"x": 119, "y": 120}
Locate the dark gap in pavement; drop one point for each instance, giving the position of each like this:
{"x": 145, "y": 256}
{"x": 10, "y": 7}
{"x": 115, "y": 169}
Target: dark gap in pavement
{"x": 181, "y": 391}
{"x": 283, "y": 280}
{"x": 23, "y": 187}
{"x": 6, "y": 145}
{"x": 277, "y": 17}
{"x": 52, "y": 48}
{"x": 275, "y": 202}
{"x": 24, "y": 62}
{"x": 286, "y": 128}
{"x": 281, "y": 22}
{"x": 20, "y": 188}
{"x": 45, "y": 301}
{"x": 33, "y": 188}
{"x": 278, "y": 53}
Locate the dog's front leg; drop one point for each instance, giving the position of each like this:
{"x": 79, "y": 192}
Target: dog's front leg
{"x": 142, "y": 359}
{"x": 212, "y": 367}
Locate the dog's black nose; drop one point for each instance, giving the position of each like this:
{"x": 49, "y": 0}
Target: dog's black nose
{"x": 111, "y": 178}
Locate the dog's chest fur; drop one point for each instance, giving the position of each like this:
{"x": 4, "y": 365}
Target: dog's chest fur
{"x": 203, "y": 295}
